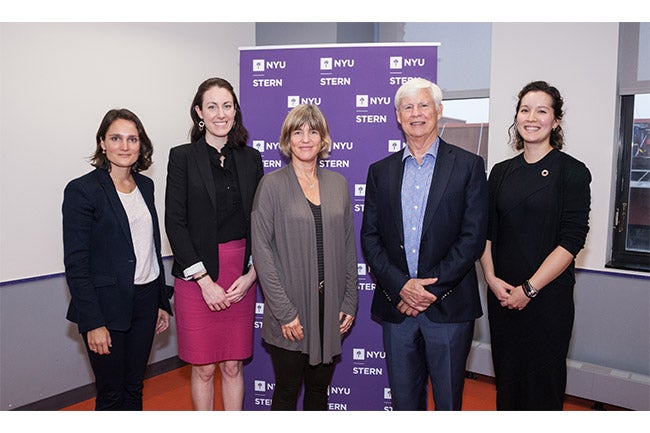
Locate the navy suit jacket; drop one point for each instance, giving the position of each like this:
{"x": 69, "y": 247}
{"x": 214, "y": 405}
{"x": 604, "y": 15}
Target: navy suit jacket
{"x": 98, "y": 252}
{"x": 453, "y": 235}
{"x": 191, "y": 207}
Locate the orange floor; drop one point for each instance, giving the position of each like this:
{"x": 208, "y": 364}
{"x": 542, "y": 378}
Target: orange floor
{"x": 171, "y": 392}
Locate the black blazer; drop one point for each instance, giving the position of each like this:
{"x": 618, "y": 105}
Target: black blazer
{"x": 190, "y": 204}
{"x": 98, "y": 252}
{"x": 453, "y": 235}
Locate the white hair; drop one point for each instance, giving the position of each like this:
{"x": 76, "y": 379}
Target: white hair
{"x": 415, "y": 84}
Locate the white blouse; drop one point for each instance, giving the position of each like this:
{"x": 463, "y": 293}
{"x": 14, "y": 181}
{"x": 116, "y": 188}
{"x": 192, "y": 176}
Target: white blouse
{"x": 141, "y": 226}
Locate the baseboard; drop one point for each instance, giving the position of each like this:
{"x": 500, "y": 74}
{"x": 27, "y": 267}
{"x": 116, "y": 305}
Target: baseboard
{"x": 86, "y": 392}
{"x": 584, "y": 380}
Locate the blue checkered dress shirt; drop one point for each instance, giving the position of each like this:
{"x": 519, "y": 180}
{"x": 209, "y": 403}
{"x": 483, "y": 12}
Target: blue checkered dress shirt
{"x": 416, "y": 182}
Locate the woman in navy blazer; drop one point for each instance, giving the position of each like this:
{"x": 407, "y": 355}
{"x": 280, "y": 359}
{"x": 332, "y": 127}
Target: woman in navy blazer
{"x": 113, "y": 265}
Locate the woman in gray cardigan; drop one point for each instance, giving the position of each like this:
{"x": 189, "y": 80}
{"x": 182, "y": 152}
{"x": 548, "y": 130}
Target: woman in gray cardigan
{"x": 305, "y": 254}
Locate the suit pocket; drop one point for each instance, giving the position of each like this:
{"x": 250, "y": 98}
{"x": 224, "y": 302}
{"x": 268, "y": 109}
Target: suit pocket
{"x": 109, "y": 297}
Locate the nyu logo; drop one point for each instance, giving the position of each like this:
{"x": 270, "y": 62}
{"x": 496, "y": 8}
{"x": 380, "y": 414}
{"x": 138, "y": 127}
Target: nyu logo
{"x": 363, "y": 101}
{"x": 342, "y": 145}
{"x": 394, "y": 145}
{"x": 260, "y": 386}
{"x": 328, "y": 63}
{"x": 263, "y": 386}
{"x": 387, "y": 394}
{"x": 259, "y": 145}
{"x": 295, "y": 100}
{"x": 398, "y": 62}
{"x": 260, "y": 65}
{"x": 259, "y": 308}
{"x": 361, "y": 269}
{"x": 338, "y": 390}
{"x": 359, "y": 189}
{"x": 262, "y": 145}
{"x": 360, "y": 354}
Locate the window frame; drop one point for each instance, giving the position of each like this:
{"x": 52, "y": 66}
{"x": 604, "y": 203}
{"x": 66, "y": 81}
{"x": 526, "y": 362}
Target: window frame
{"x": 621, "y": 257}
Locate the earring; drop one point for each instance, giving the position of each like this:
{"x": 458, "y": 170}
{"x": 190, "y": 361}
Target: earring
{"x": 104, "y": 151}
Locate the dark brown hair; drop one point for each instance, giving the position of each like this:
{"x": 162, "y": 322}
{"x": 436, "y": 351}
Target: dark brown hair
{"x": 100, "y": 160}
{"x": 557, "y": 135}
{"x": 238, "y": 135}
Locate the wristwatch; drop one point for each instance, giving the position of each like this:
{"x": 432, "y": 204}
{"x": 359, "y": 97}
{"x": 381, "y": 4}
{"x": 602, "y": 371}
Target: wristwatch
{"x": 529, "y": 290}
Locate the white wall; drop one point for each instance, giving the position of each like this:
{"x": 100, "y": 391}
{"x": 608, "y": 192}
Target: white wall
{"x": 580, "y": 59}
{"x": 57, "y": 80}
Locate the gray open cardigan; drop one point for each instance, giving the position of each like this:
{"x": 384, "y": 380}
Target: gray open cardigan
{"x": 285, "y": 258}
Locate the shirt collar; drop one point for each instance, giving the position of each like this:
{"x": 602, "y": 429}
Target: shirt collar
{"x": 433, "y": 150}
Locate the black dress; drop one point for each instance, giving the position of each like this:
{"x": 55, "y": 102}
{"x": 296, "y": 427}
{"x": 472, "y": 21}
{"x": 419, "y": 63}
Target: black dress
{"x": 533, "y": 209}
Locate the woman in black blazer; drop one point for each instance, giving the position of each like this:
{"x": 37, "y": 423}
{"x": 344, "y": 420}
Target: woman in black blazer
{"x": 211, "y": 182}
{"x": 113, "y": 265}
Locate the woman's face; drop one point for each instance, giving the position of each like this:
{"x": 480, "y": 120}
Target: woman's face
{"x": 121, "y": 143}
{"x": 305, "y": 143}
{"x": 536, "y": 118}
{"x": 218, "y": 113}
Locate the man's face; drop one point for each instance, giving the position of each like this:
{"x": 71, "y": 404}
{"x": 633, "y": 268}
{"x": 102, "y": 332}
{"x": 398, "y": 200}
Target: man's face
{"x": 419, "y": 116}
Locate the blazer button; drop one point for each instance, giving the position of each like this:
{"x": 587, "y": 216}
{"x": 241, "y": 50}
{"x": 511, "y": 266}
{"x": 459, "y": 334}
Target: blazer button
{"x": 401, "y": 247}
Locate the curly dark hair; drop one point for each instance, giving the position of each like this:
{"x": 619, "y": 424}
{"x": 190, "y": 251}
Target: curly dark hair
{"x": 557, "y": 135}
{"x": 238, "y": 135}
{"x": 100, "y": 160}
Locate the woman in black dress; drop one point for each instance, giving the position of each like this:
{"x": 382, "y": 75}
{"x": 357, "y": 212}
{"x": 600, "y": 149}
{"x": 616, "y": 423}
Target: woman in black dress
{"x": 539, "y": 213}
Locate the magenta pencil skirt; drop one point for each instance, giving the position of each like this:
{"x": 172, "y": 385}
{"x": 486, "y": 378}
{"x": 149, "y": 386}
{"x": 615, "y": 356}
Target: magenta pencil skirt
{"x": 204, "y": 336}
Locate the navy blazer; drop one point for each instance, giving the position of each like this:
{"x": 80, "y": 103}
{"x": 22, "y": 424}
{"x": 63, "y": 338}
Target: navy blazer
{"x": 191, "y": 207}
{"x": 453, "y": 235}
{"x": 98, "y": 252}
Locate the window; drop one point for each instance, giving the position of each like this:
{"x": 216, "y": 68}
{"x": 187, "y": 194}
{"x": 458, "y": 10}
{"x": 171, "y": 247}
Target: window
{"x": 632, "y": 218}
{"x": 464, "y": 123}
{"x": 631, "y": 235}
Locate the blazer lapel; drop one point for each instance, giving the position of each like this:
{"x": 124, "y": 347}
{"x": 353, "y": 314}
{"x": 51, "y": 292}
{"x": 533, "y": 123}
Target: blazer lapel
{"x": 111, "y": 193}
{"x": 200, "y": 154}
{"x": 395, "y": 172}
{"x": 148, "y": 197}
{"x": 441, "y": 175}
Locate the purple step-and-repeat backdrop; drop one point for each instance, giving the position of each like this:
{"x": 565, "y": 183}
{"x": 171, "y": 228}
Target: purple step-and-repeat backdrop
{"x": 354, "y": 86}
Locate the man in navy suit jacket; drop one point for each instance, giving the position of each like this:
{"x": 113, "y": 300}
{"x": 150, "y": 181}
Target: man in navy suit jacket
{"x": 424, "y": 227}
